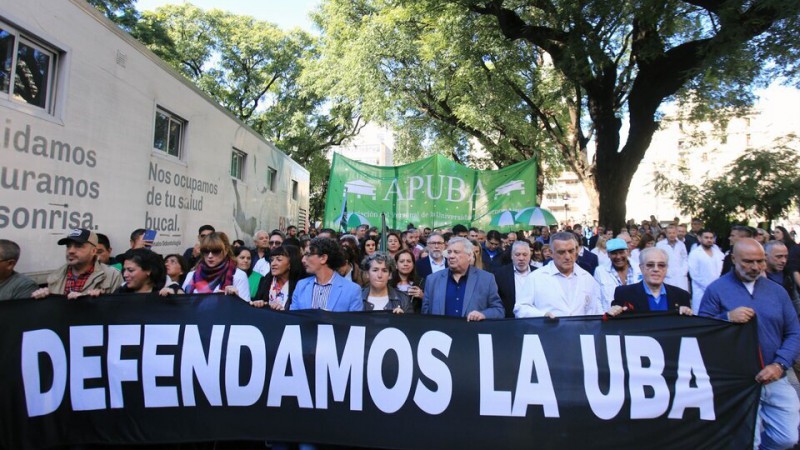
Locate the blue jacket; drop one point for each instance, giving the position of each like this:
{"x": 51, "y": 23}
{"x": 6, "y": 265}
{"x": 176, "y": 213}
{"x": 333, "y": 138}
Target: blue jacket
{"x": 778, "y": 328}
{"x": 345, "y": 295}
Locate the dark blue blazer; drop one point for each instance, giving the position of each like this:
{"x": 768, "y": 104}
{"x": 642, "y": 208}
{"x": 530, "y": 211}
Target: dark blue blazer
{"x": 423, "y": 266}
{"x": 634, "y": 297}
{"x": 588, "y": 261}
{"x": 504, "y": 277}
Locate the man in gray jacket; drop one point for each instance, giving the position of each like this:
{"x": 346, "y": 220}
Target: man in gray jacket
{"x": 462, "y": 290}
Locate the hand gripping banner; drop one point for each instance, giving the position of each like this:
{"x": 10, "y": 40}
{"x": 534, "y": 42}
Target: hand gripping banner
{"x": 144, "y": 369}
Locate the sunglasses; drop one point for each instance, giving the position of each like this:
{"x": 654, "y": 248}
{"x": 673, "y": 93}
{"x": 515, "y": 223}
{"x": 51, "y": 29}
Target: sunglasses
{"x": 275, "y": 243}
{"x": 211, "y": 252}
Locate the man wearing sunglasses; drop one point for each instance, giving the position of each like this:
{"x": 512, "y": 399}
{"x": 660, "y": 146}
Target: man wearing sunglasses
{"x": 651, "y": 294}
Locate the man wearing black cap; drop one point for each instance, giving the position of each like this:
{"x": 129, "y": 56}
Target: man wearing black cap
{"x": 83, "y": 273}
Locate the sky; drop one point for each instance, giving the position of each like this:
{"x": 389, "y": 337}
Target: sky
{"x": 285, "y": 14}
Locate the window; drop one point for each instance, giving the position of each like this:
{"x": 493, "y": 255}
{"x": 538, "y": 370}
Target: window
{"x": 295, "y": 188}
{"x": 237, "y": 164}
{"x": 168, "y": 135}
{"x": 272, "y": 178}
{"x": 27, "y": 69}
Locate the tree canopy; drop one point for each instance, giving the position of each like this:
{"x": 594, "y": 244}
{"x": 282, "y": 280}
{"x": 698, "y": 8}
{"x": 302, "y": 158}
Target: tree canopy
{"x": 762, "y": 184}
{"x": 551, "y": 79}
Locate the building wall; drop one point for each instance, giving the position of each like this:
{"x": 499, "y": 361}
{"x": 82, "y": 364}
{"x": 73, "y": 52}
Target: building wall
{"x": 109, "y": 89}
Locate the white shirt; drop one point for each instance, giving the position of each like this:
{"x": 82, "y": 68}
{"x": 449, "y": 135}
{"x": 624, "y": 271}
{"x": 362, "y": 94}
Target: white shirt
{"x": 678, "y": 271}
{"x": 436, "y": 267}
{"x": 520, "y": 280}
{"x": 602, "y": 256}
{"x": 549, "y": 291}
{"x": 704, "y": 269}
{"x": 609, "y": 279}
{"x": 262, "y": 266}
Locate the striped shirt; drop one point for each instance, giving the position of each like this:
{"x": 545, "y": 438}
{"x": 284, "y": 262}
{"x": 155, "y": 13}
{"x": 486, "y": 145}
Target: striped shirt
{"x": 320, "y": 294}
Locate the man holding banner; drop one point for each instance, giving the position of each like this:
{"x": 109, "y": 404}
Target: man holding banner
{"x": 326, "y": 289}
{"x": 739, "y": 296}
{"x": 462, "y": 290}
{"x": 561, "y": 288}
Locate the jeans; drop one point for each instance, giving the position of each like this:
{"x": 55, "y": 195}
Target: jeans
{"x": 778, "y": 417}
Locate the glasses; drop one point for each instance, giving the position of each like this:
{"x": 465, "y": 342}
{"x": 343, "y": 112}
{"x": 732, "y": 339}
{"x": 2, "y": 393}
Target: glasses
{"x": 652, "y": 265}
{"x": 211, "y": 252}
{"x": 436, "y": 243}
{"x": 205, "y": 235}
{"x": 307, "y": 254}
{"x": 275, "y": 243}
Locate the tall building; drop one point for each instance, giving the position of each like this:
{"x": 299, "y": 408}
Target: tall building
{"x": 699, "y": 149}
{"x": 373, "y": 145}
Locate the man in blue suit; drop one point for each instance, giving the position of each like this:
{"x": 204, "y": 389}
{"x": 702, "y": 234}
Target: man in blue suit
{"x": 325, "y": 289}
{"x": 462, "y": 290}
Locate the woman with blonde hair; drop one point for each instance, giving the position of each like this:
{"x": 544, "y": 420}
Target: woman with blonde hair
{"x": 600, "y": 251}
{"x": 216, "y": 270}
{"x": 477, "y": 258}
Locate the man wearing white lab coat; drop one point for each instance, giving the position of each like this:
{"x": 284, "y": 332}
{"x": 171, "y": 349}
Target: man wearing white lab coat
{"x": 705, "y": 265}
{"x": 561, "y": 288}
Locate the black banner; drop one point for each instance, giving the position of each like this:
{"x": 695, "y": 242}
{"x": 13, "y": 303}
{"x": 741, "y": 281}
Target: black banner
{"x": 144, "y": 369}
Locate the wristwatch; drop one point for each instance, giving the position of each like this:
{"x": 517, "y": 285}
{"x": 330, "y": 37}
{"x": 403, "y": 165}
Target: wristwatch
{"x": 783, "y": 367}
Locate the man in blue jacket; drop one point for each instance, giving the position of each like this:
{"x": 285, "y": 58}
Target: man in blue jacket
{"x": 740, "y": 295}
{"x": 325, "y": 289}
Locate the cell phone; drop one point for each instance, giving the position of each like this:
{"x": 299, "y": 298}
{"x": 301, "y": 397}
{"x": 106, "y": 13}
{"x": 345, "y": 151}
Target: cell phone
{"x": 150, "y": 235}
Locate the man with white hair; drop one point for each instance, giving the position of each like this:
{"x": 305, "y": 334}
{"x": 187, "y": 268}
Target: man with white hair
{"x": 463, "y": 290}
{"x": 652, "y": 293}
{"x": 561, "y": 288}
{"x": 511, "y": 277}
{"x": 435, "y": 261}
{"x": 678, "y": 274}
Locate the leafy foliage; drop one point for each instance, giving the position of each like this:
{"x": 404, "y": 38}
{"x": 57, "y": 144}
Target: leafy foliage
{"x": 761, "y": 184}
{"x": 256, "y": 70}
{"x": 544, "y": 79}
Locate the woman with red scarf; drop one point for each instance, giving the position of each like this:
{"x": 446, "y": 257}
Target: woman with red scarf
{"x": 216, "y": 271}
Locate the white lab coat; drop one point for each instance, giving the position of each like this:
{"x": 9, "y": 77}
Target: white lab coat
{"x": 543, "y": 294}
{"x": 704, "y": 269}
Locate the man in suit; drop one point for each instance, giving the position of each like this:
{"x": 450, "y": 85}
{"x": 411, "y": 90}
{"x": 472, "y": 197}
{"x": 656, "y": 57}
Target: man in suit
{"x": 435, "y": 261}
{"x": 325, "y": 289}
{"x": 587, "y": 260}
{"x": 651, "y": 294}
{"x": 561, "y": 288}
{"x": 462, "y": 290}
{"x": 511, "y": 278}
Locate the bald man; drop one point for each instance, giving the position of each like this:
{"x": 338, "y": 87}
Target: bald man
{"x": 740, "y": 295}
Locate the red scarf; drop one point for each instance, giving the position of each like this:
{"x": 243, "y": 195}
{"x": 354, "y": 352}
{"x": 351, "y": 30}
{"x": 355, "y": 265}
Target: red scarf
{"x": 209, "y": 279}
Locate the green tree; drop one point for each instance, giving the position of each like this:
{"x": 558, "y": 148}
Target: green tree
{"x": 550, "y": 79}
{"x": 762, "y": 184}
{"x": 255, "y": 70}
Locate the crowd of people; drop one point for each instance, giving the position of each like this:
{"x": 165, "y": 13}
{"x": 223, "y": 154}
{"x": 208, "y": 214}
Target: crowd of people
{"x": 476, "y": 275}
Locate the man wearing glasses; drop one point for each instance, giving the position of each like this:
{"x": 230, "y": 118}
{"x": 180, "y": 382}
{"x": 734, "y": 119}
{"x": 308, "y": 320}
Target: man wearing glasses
{"x": 325, "y": 289}
{"x": 435, "y": 261}
{"x": 739, "y": 296}
{"x": 651, "y": 294}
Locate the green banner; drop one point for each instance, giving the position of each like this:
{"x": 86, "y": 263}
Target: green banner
{"x": 434, "y": 192}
